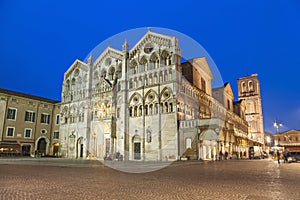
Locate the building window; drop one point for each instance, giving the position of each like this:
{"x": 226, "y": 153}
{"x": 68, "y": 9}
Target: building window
{"x": 203, "y": 85}
{"x": 10, "y": 131}
{"x": 250, "y": 86}
{"x": 57, "y": 119}
{"x": 56, "y": 135}
{"x": 45, "y": 118}
{"x": 29, "y": 116}
{"x": 228, "y": 104}
{"x": 11, "y": 113}
{"x": 43, "y": 131}
{"x": 27, "y": 133}
{"x": 243, "y": 86}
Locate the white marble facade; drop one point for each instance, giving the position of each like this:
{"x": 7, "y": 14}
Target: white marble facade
{"x": 144, "y": 104}
{"x": 123, "y": 103}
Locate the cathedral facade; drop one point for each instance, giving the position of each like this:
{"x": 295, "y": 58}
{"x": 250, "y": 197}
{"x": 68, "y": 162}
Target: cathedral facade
{"x": 144, "y": 104}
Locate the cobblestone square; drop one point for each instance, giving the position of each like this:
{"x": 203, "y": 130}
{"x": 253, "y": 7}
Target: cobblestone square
{"x": 46, "y": 178}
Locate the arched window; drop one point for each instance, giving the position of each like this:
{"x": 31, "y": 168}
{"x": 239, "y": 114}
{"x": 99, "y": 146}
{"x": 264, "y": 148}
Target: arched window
{"x": 140, "y": 111}
{"x": 144, "y": 62}
{"x": 146, "y": 110}
{"x": 243, "y": 87}
{"x": 130, "y": 112}
{"x": 141, "y": 81}
{"x": 166, "y": 76}
{"x": 171, "y": 107}
{"x": 161, "y": 77}
{"x": 250, "y": 86}
{"x": 153, "y": 61}
{"x": 135, "y": 85}
{"x": 156, "y": 64}
{"x": 168, "y": 62}
{"x": 73, "y": 83}
{"x": 161, "y": 108}
{"x": 111, "y": 73}
{"x": 166, "y": 107}
{"x": 150, "y": 80}
{"x": 135, "y": 111}
{"x": 165, "y": 58}
{"x": 150, "y": 109}
{"x": 170, "y": 75}
{"x": 155, "y": 79}
{"x": 156, "y": 108}
{"x": 134, "y": 67}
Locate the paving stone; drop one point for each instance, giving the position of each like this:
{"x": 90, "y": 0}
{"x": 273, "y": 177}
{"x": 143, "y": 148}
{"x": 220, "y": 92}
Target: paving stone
{"x": 84, "y": 179}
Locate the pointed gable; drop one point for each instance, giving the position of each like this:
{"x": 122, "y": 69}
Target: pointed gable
{"x": 77, "y": 64}
{"x": 202, "y": 65}
{"x": 228, "y": 89}
{"x": 108, "y": 52}
{"x": 152, "y": 37}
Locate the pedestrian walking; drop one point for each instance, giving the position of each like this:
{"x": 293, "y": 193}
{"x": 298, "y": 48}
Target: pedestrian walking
{"x": 220, "y": 155}
{"x": 278, "y": 157}
{"x": 285, "y": 155}
{"x": 226, "y": 155}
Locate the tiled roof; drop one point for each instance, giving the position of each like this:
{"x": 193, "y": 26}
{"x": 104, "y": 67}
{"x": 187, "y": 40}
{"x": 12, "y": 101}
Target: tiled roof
{"x": 29, "y": 96}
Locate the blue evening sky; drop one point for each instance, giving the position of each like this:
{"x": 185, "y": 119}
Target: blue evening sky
{"x": 39, "y": 40}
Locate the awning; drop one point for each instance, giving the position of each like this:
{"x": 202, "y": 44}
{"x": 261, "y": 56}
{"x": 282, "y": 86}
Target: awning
{"x": 9, "y": 145}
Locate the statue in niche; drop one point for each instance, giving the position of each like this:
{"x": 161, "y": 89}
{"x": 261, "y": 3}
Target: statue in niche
{"x": 149, "y": 135}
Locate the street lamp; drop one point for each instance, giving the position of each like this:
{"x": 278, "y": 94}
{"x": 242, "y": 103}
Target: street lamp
{"x": 277, "y": 125}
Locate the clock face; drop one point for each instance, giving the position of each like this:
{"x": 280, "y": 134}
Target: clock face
{"x": 148, "y": 48}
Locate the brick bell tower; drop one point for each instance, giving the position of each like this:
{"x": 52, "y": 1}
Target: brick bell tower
{"x": 249, "y": 91}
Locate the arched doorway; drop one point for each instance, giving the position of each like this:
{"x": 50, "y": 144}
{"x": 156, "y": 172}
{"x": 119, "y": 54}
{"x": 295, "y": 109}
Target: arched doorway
{"x": 41, "y": 147}
{"x": 208, "y": 147}
{"x": 79, "y": 148}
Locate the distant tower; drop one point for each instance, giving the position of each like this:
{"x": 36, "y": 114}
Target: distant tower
{"x": 249, "y": 90}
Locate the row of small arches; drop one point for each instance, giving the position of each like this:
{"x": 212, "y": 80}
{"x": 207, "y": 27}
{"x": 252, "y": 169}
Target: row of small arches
{"x": 151, "y": 109}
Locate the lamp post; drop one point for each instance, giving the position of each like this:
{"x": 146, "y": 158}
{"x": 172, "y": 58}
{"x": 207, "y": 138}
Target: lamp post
{"x": 277, "y": 125}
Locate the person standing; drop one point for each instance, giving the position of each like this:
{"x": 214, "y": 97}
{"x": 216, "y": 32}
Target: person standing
{"x": 278, "y": 157}
{"x": 220, "y": 155}
{"x": 285, "y": 154}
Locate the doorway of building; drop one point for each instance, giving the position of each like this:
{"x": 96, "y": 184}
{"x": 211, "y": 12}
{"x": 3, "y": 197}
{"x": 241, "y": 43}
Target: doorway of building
{"x": 26, "y": 150}
{"x": 42, "y": 147}
{"x": 79, "y": 148}
{"x": 137, "y": 150}
{"x": 55, "y": 149}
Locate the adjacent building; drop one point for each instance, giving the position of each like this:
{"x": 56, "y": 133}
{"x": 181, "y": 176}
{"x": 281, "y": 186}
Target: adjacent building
{"x": 28, "y": 124}
{"x": 290, "y": 140}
